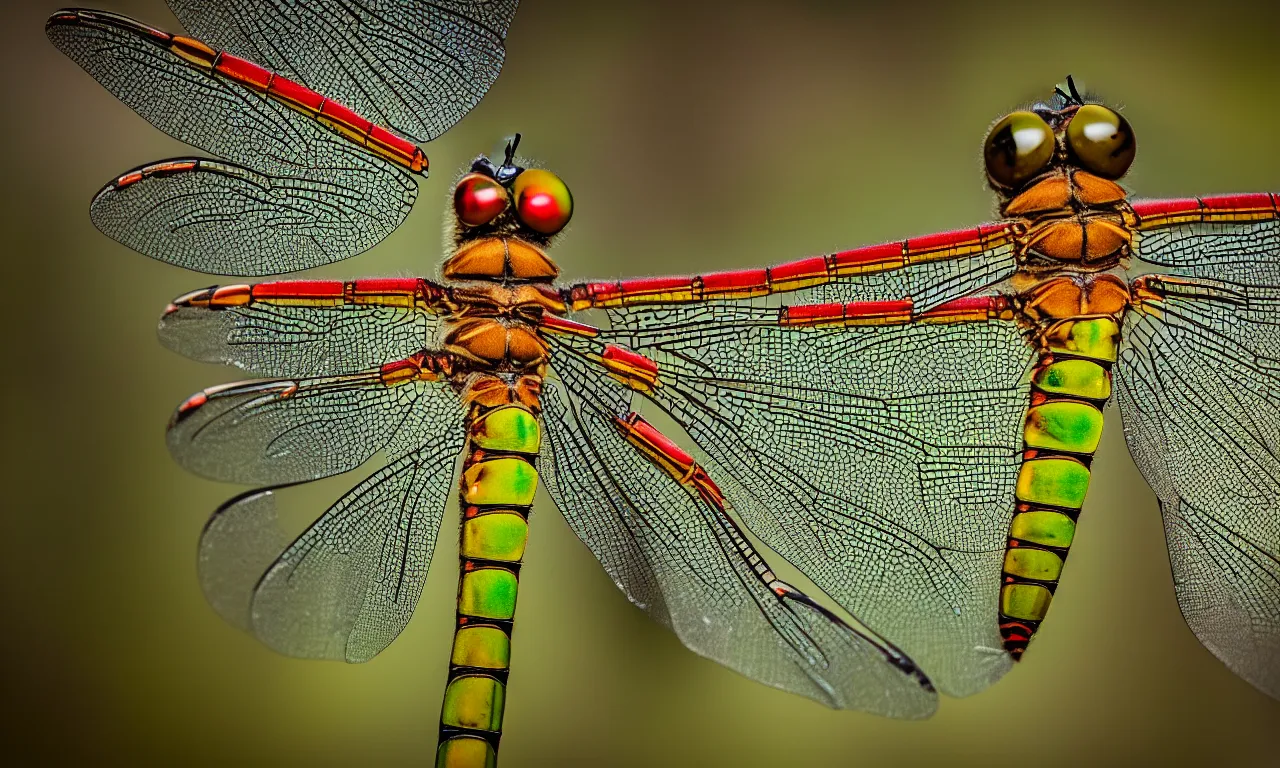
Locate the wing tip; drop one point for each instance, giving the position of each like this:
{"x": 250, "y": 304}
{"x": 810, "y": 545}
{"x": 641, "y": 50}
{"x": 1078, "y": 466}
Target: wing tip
{"x": 89, "y": 17}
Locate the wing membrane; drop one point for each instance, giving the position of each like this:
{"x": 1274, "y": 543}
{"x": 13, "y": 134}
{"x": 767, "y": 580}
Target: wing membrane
{"x": 418, "y": 66}
{"x": 287, "y": 430}
{"x": 928, "y": 271}
{"x": 1199, "y": 389}
{"x": 879, "y": 460}
{"x": 928, "y": 284}
{"x": 225, "y": 219}
{"x": 284, "y": 340}
{"x": 290, "y": 194}
{"x": 687, "y": 565}
{"x": 348, "y": 585}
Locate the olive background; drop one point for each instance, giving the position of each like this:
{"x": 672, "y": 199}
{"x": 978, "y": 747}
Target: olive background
{"x": 695, "y": 136}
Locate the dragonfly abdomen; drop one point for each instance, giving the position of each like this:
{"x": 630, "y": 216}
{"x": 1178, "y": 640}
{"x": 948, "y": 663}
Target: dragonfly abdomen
{"x": 498, "y": 483}
{"x": 1079, "y": 328}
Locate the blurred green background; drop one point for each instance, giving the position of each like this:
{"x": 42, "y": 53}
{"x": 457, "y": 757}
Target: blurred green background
{"x": 695, "y": 135}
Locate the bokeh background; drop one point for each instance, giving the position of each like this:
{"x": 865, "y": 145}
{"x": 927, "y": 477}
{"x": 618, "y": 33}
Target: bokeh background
{"x": 695, "y": 135}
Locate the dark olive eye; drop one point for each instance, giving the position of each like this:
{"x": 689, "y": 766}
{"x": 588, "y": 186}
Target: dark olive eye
{"x": 1101, "y": 141}
{"x": 543, "y": 202}
{"x": 478, "y": 199}
{"x": 1018, "y": 148}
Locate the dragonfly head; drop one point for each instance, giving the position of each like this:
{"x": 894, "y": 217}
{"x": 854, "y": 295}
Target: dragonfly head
{"x": 509, "y": 198}
{"x": 1070, "y": 130}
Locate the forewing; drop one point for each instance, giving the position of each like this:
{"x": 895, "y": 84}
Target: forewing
{"x": 879, "y": 460}
{"x": 686, "y": 564}
{"x": 286, "y": 194}
{"x": 1199, "y": 390}
{"x": 292, "y": 430}
{"x": 284, "y": 340}
{"x": 417, "y": 66}
{"x": 348, "y": 585}
{"x": 927, "y": 271}
{"x": 927, "y": 284}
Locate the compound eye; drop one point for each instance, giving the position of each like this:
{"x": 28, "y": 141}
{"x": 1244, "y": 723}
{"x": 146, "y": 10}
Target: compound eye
{"x": 479, "y": 199}
{"x": 543, "y": 202}
{"x": 1017, "y": 149}
{"x": 1101, "y": 141}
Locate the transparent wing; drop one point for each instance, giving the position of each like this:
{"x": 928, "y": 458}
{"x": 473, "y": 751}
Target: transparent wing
{"x": 348, "y": 585}
{"x": 221, "y": 218}
{"x": 881, "y": 461}
{"x": 1241, "y": 252}
{"x": 287, "y": 193}
{"x": 292, "y": 430}
{"x": 418, "y": 66}
{"x": 928, "y": 284}
{"x": 687, "y": 565}
{"x": 282, "y": 339}
{"x": 1199, "y": 390}
{"x": 928, "y": 270}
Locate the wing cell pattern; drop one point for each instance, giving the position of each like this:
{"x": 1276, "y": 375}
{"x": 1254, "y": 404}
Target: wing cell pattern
{"x": 687, "y": 565}
{"x": 1199, "y": 389}
{"x": 287, "y": 193}
{"x": 927, "y": 284}
{"x": 348, "y": 585}
{"x": 928, "y": 271}
{"x": 416, "y": 66}
{"x": 881, "y": 461}
{"x": 283, "y": 340}
{"x": 293, "y": 430}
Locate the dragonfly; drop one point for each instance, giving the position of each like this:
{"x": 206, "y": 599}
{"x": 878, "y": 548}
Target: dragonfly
{"x": 911, "y": 425}
{"x": 425, "y": 373}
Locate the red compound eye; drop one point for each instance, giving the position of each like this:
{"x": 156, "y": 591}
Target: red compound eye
{"x": 543, "y": 202}
{"x": 478, "y": 199}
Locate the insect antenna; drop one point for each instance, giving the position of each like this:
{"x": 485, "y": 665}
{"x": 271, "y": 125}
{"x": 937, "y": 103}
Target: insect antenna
{"x": 1075, "y": 94}
{"x": 511, "y": 149}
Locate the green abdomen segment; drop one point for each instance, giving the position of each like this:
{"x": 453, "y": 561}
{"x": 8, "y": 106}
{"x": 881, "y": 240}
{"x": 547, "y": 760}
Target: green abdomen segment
{"x": 498, "y": 483}
{"x": 1071, "y": 385}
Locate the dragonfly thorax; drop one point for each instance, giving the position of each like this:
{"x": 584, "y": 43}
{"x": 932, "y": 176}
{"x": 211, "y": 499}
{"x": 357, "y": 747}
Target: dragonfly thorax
{"x": 504, "y": 218}
{"x": 1071, "y": 295}
{"x": 496, "y": 326}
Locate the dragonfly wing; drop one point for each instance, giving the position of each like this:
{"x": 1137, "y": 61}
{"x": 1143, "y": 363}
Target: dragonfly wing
{"x": 1199, "y": 390}
{"x": 417, "y": 66}
{"x": 348, "y": 585}
{"x": 928, "y": 284}
{"x": 293, "y": 430}
{"x": 288, "y": 194}
{"x": 296, "y": 335}
{"x": 928, "y": 271}
{"x": 226, "y": 219}
{"x": 880, "y": 460}
{"x": 686, "y": 563}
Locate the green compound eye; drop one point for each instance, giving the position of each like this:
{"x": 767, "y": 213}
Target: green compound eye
{"x": 1101, "y": 141}
{"x": 1018, "y": 148}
